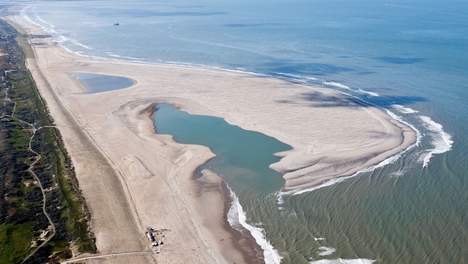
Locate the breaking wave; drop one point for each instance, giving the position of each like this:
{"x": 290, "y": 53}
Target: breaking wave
{"x": 389, "y": 160}
{"x": 325, "y": 251}
{"x": 49, "y": 28}
{"x": 441, "y": 140}
{"x": 368, "y": 92}
{"x": 404, "y": 110}
{"x": 346, "y": 87}
{"x": 337, "y": 85}
{"x": 111, "y": 54}
{"x": 237, "y": 217}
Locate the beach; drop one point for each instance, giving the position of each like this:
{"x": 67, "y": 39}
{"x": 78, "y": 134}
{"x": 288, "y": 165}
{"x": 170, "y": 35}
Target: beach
{"x": 132, "y": 177}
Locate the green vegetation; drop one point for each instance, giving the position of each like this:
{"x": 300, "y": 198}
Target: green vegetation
{"x": 15, "y": 241}
{"x": 23, "y": 225}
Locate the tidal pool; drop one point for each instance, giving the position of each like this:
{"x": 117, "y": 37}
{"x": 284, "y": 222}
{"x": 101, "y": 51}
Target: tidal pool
{"x": 242, "y": 157}
{"x": 96, "y": 83}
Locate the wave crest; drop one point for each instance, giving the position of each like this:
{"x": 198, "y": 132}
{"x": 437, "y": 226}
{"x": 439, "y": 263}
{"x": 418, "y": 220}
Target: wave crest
{"x": 404, "y": 110}
{"x": 441, "y": 140}
{"x": 237, "y": 217}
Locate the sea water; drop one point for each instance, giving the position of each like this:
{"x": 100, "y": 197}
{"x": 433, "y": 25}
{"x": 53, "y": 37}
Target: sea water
{"x": 243, "y": 159}
{"x": 409, "y": 57}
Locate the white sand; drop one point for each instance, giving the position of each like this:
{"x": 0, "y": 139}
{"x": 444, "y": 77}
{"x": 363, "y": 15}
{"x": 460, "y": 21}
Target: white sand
{"x": 331, "y": 137}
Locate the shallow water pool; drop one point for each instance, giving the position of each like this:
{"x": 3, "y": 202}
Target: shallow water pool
{"x": 96, "y": 83}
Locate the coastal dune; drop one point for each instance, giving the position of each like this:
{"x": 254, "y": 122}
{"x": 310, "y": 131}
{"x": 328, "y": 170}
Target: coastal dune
{"x": 331, "y": 135}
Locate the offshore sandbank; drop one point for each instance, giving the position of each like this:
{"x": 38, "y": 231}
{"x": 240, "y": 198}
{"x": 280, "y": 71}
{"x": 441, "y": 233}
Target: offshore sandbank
{"x": 332, "y": 136}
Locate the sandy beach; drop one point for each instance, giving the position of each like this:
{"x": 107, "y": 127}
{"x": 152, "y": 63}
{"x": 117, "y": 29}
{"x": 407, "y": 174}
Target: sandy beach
{"x": 133, "y": 178}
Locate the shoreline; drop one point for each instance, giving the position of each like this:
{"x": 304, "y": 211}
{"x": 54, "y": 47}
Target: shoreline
{"x": 242, "y": 239}
{"x": 291, "y": 164}
{"x": 76, "y": 141}
{"x": 138, "y": 255}
{"x": 278, "y": 75}
{"x": 383, "y": 163}
{"x": 205, "y": 181}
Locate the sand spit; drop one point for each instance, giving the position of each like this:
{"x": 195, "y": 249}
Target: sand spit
{"x": 133, "y": 177}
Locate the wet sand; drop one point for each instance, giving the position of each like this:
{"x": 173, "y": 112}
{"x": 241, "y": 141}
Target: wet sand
{"x": 132, "y": 177}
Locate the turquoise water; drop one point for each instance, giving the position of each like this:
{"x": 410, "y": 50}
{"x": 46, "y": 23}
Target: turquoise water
{"x": 412, "y": 53}
{"x": 96, "y": 83}
{"x": 242, "y": 157}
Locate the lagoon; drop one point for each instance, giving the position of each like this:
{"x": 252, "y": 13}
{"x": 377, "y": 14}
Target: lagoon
{"x": 242, "y": 157}
{"x": 96, "y": 83}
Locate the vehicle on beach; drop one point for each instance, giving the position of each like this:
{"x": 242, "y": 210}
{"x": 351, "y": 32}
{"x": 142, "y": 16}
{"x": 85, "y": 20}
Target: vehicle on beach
{"x": 155, "y": 237}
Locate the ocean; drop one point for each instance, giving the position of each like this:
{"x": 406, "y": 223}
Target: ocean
{"x": 409, "y": 57}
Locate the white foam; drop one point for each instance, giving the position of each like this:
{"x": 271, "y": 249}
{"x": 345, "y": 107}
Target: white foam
{"x": 236, "y": 216}
{"x": 404, "y": 110}
{"x": 297, "y": 76}
{"x": 50, "y": 28}
{"x": 323, "y": 185}
{"x": 77, "y": 43}
{"x": 43, "y": 23}
{"x": 400, "y": 119}
{"x": 38, "y": 21}
{"x": 383, "y": 163}
{"x": 337, "y": 85}
{"x": 368, "y": 92}
{"x": 342, "y": 261}
{"x": 346, "y": 87}
{"x": 398, "y": 173}
{"x": 326, "y": 251}
{"x": 26, "y": 17}
{"x": 111, "y": 54}
{"x": 279, "y": 199}
{"x": 441, "y": 140}
{"x": 61, "y": 39}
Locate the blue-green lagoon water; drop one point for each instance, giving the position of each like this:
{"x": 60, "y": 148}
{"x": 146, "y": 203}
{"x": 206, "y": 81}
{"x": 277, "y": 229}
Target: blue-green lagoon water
{"x": 409, "y": 57}
{"x": 96, "y": 83}
{"x": 242, "y": 158}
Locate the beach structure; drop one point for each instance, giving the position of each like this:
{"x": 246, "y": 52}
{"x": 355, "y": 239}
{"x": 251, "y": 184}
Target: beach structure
{"x": 155, "y": 237}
